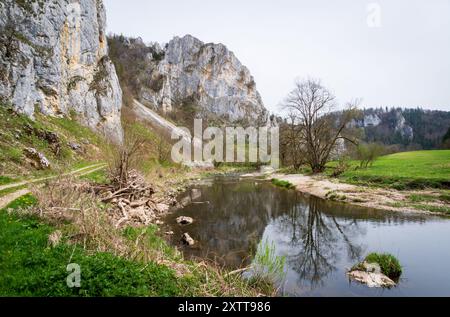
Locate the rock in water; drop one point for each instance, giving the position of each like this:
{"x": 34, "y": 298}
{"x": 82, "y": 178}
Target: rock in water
{"x": 370, "y": 274}
{"x": 187, "y": 239}
{"x": 54, "y": 59}
{"x": 372, "y": 279}
{"x": 185, "y": 220}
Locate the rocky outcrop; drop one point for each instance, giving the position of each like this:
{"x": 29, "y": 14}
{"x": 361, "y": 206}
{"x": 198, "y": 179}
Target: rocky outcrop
{"x": 53, "y": 59}
{"x": 388, "y": 126}
{"x": 371, "y": 120}
{"x": 189, "y": 73}
{"x": 402, "y": 127}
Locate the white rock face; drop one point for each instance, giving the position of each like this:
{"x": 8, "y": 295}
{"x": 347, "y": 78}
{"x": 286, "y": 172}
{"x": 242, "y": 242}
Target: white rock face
{"x": 404, "y": 129}
{"x": 209, "y": 73}
{"x": 53, "y": 58}
{"x": 371, "y": 120}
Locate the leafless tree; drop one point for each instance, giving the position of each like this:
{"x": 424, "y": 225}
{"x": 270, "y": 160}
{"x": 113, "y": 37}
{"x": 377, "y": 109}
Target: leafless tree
{"x": 312, "y": 105}
{"x": 291, "y": 143}
{"x": 125, "y": 157}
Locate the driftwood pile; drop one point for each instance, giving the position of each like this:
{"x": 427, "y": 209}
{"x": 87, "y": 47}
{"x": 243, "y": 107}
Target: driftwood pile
{"x": 133, "y": 203}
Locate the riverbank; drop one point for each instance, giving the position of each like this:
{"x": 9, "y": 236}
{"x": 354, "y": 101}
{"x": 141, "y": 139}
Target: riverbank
{"x": 65, "y": 222}
{"x": 415, "y": 201}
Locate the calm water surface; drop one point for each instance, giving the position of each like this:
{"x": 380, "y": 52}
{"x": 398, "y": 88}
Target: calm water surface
{"x": 320, "y": 239}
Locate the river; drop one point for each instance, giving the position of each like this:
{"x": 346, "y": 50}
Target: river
{"x": 319, "y": 239}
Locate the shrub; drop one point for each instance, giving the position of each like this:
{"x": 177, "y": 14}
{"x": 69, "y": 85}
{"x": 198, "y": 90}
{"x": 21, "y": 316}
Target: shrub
{"x": 368, "y": 153}
{"x": 342, "y": 166}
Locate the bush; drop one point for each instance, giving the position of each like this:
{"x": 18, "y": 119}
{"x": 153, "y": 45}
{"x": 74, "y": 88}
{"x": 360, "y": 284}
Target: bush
{"x": 342, "y": 166}
{"x": 367, "y": 153}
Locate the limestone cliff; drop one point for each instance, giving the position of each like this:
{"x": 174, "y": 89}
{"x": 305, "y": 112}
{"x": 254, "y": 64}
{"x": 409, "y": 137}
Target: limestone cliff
{"x": 54, "y": 59}
{"x": 207, "y": 75}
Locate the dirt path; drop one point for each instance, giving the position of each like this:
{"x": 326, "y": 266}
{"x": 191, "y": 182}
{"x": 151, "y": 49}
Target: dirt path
{"x": 37, "y": 180}
{"x": 7, "y": 199}
{"x": 378, "y": 198}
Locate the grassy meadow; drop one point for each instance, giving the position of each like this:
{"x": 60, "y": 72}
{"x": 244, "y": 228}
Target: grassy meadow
{"x": 408, "y": 170}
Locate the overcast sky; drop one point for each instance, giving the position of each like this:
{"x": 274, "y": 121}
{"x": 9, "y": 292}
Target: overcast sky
{"x": 393, "y": 53}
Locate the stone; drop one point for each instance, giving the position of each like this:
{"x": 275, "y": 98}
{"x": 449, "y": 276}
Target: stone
{"x": 186, "y": 239}
{"x": 372, "y": 279}
{"x": 74, "y": 146}
{"x": 184, "y": 221}
{"x": 370, "y": 274}
{"x": 37, "y": 157}
{"x": 54, "y": 59}
{"x": 162, "y": 208}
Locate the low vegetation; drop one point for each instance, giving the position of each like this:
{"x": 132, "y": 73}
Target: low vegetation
{"x": 31, "y": 267}
{"x": 283, "y": 184}
{"x": 63, "y": 223}
{"x": 389, "y": 264}
{"x": 267, "y": 266}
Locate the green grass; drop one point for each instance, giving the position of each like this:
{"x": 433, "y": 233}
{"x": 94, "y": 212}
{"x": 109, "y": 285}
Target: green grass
{"x": 432, "y": 208}
{"x": 5, "y": 180}
{"x": 409, "y": 170}
{"x": 445, "y": 198}
{"x": 17, "y": 132}
{"x": 31, "y": 268}
{"x": 97, "y": 177}
{"x": 415, "y": 198}
{"x": 268, "y": 265}
{"x": 152, "y": 240}
{"x": 283, "y": 184}
{"x": 389, "y": 264}
{"x": 11, "y": 190}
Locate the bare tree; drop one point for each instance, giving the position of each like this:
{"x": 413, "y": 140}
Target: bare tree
{"x": 312, "y": 105}
{"x": 125, "y": 157}
{"x": 291, "y": 143}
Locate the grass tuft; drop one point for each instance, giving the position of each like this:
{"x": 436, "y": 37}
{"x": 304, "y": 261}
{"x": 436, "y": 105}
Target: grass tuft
{"x": 389, "y": 264}
{"x": 283, "y": 184}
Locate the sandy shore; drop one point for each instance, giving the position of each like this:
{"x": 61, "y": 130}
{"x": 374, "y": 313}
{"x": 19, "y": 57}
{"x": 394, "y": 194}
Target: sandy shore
{"x": 378, "y": 198}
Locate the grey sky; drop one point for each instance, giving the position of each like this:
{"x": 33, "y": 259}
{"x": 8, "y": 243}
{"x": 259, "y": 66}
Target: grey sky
{"x": 405, "y": 62}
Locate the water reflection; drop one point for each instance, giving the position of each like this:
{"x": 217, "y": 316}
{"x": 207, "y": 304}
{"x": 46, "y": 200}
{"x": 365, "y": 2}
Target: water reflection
{"x": 319, "y": 239}
{"x": 316, "y": 240}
